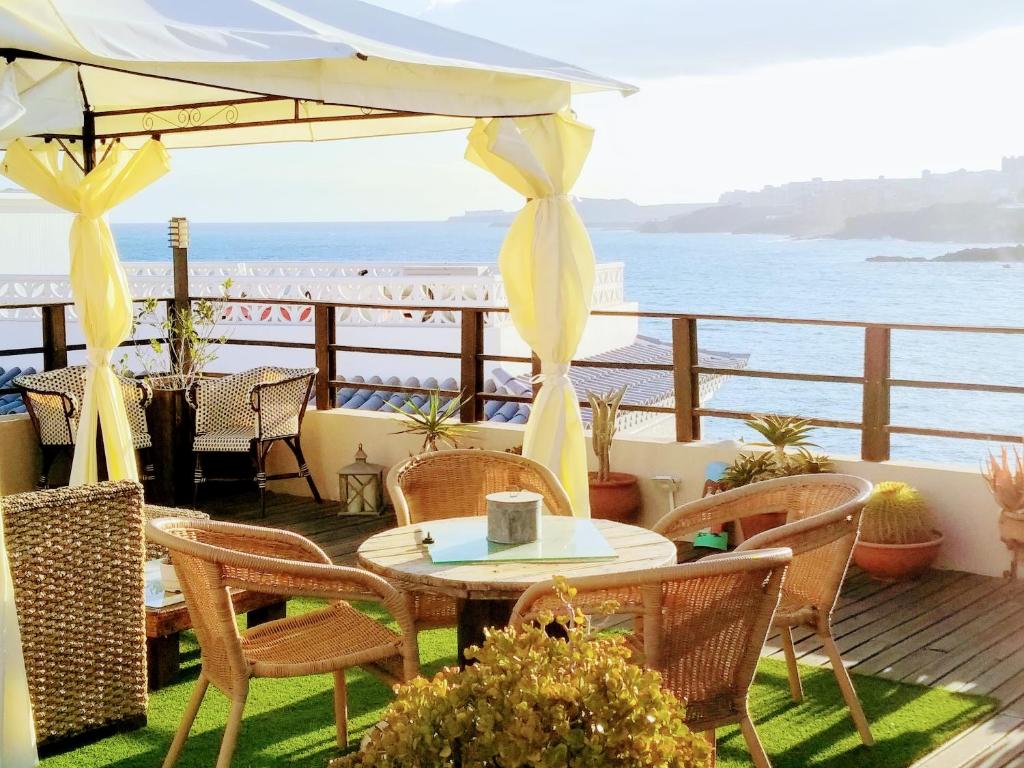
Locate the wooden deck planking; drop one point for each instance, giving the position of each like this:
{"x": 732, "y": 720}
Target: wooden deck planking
{"x": 953, "y": 630}
{"x": 338, "y": 535}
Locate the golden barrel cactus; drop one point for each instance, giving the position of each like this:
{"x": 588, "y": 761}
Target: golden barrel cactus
{"x": 896, "y": 514}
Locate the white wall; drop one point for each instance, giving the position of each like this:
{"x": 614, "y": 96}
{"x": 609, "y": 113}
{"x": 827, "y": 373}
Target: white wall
{"x": 964, "y": 510}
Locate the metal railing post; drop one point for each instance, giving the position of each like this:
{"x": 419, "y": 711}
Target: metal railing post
{"x": 685, "y": 381}
{"x": 55, "y": 338}
{"x": 472, "y": 364}
{"x": 875, "y": 418}
{"x": 324, "y": 337}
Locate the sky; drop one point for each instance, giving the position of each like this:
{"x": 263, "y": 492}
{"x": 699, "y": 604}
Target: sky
{"x": 734, "y": 94}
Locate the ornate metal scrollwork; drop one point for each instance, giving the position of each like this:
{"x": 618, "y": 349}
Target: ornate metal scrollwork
{"x": 191, "y": 117}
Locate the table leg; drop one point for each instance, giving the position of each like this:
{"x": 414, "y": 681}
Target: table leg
{"x": 162, "y": 660}
{"x": 272, "y": 612}
{"x": 474, "y": 616}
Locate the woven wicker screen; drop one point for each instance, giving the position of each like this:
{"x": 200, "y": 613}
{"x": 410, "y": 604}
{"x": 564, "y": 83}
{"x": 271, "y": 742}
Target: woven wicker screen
{"x": 76, "y": 559}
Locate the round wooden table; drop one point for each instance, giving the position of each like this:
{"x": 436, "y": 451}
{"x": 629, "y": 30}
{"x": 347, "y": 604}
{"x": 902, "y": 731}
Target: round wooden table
{"x": 486, "y": 592}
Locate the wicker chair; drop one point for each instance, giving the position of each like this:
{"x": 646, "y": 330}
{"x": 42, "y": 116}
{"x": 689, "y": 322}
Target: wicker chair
{"x": 454, "y": 483}
{"x": 54, "y": 399}
{"x": 210, "y": 557}
{"x": 701, "y": 625}
{"x": 247, "y": 413}
{"x": 76, "y": 562}
{"x": 823, "y": 517}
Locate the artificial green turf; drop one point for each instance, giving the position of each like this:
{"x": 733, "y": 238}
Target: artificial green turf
{"x": 291, "y": 723}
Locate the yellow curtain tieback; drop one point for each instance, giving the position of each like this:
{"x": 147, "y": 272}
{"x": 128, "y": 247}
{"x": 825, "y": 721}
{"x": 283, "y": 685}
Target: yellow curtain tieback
{"x": 550, "y": 371}
{"x": 98, "y": 358}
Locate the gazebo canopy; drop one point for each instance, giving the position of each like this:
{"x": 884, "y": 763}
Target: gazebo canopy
{"x": 202, "y": 73}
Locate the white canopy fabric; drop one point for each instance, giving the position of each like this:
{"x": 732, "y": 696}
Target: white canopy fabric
{"x": 279, "y": 70}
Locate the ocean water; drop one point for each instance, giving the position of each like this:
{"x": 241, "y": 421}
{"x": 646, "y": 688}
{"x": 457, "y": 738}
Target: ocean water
{"x": 741, "y": 275}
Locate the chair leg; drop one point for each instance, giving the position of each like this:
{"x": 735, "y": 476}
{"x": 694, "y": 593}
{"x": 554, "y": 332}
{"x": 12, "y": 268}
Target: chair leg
{"x": 296, "y": 447}
{"x": 847, "y": 689}
{"x": 198, "y": 478}
{"x": 712, "y": 747}
{"x": 757, "y": 753}
{"x": 230, "y": 740}
{"x": 796, "y": 688}
{"x": 202, "y": 684}
{"x": 341, "y": 707}
{"x": 50, "y": 454}
{"x": 261, "y": 478}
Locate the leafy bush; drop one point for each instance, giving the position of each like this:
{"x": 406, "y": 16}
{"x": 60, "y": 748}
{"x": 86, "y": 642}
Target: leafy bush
{"x": 535, "y": 701}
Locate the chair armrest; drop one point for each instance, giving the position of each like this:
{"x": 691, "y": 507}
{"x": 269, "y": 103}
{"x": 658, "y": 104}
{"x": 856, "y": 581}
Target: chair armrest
{"x": 68, "y": 401}
{"x": 276, "y": 543}
{"x": 256, "y": 390}
{"x": 192, "y": 394}
{"x": 319, "y": 580}
{"x": 755, "y": 499}
{"x": 145, "y": 392}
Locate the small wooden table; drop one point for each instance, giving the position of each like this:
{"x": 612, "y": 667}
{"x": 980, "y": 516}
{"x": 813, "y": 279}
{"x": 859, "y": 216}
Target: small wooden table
{"x": 486, "y": 592}
{"x": 165, "y": 625}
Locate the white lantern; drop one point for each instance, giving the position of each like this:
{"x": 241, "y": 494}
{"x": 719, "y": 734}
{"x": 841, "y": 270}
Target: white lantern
{"x": 361, "y": 487}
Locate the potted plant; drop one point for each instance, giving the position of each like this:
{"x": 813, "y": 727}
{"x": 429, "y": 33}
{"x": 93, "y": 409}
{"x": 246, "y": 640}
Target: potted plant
{"x": 898, "y": 539}
{"x": 531, "y": 699}
{"x": 174, "y": 350}
{"x": 437, "y": 422}
{"x": 613, "y": 495}
{"x": 781, "y": 434}
{"x": 1005, "y": 478}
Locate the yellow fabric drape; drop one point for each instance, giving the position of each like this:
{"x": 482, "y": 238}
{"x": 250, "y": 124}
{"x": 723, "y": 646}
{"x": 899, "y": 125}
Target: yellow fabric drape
{"x": 98, "y": 281}
{"x": 547, "y": 263}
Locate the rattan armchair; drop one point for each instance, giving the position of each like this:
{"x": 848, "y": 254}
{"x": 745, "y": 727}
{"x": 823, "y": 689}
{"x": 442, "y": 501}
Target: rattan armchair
{"x": 212, "y": 557}
{"x": 247, "y": 413}
{"x": 823, "y": 517}
{"x": 454, "y": 483}
{"x": 53, "y": 400}
{"x": 701, "y": 625}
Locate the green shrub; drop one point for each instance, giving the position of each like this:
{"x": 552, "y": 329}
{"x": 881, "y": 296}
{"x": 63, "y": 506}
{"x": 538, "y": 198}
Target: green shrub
{"x": 534, "y": 701}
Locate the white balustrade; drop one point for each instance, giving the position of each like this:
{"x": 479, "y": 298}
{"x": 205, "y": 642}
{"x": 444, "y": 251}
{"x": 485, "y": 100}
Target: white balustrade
{"x": 398, "y": 284}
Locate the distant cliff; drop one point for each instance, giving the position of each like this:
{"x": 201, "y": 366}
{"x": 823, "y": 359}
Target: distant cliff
{"x": 1005, "y": 255}
{"x": 963, "y": 223}
{"x": 946, "y": 223}
{"x": 595, "y": 212}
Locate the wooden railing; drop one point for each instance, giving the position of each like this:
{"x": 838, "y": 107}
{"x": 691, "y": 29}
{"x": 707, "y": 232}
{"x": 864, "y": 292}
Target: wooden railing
{"x": 876, "y": 381}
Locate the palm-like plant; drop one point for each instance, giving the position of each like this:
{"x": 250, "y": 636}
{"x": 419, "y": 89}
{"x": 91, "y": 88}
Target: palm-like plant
{"x": 434, "y": 420}
{"x": 780, "y": 433}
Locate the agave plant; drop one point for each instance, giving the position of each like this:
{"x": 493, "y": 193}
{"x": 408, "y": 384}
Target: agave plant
{"x": 1005, "y": 478}
{"x": 747, "y": 469}
{"x": 435, "y": 420}
{"x": 780, "y": 433}
{"x": 804, "y": 462}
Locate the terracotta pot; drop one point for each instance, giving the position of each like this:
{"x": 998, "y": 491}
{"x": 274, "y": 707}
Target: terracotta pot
{"x": 756, "y": 524}
{"x": 617, "y": 498}
{"x": 896, "y": 562}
